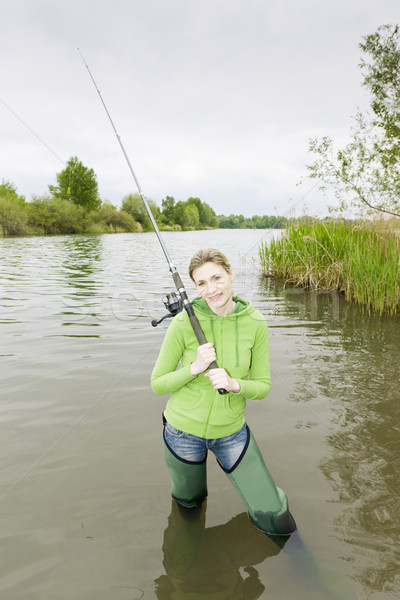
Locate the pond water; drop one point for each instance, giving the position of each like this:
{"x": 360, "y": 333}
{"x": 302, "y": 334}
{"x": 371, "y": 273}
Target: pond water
{"x": 85, "y": 505}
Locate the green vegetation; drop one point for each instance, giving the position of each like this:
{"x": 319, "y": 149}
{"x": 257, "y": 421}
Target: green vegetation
{"x": 366, "y": 173}
{"x": 13, "y": 217}
{"x": 78, "y": 184}
{"x": 134, "y": 206}
{"x": 254, "y": 222}
{"x": 49, "y": 216}
{"x": 361, "y": 262}
{"x": 192, "y": 214}
{"x": 75, "y": 207}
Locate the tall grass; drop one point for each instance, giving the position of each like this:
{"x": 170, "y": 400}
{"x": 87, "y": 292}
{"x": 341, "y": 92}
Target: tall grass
{"x": 356, "y": 260}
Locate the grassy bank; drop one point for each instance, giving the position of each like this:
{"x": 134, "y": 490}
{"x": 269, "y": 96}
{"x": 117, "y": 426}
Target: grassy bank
{"x": 361, "y": 262}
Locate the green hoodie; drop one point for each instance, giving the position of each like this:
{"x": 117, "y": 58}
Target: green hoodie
{"x": 241, "y": 344}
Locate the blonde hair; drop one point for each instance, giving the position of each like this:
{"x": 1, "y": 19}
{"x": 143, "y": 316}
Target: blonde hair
{"x": 206, "y": 255}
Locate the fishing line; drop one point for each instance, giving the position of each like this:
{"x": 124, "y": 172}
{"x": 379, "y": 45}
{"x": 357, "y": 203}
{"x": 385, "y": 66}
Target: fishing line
{"x": 284, "y": 215}
{"x": 83, "y": 182}
{"x": 32, "y": 131}
{"x": 72, "y": 427}
{"x": 172, "y": 303}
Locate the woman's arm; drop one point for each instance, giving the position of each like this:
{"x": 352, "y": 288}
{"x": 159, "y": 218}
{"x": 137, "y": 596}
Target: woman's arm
{"x": 166, "y": 378}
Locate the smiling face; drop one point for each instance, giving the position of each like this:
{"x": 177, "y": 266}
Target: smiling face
{"x": 214, "y": 284}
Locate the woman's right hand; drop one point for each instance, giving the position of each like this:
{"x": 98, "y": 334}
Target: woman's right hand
{"x": 205, "y": 356}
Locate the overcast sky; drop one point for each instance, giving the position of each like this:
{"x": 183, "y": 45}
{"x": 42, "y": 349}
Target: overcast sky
{"x": 215, "y": 99}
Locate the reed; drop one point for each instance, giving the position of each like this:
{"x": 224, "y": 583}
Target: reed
{"x": 359, "y": 261}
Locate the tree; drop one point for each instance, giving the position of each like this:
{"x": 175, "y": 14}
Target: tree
{"x": 134, "y": 206}
{"x": 13, "y": 217}
{"x": 8, "y": 191}
{"x": 192, "y": 219}
{"x": 117, "y": 219}
{"x": 208, "y": 217}
{"x": 78, "y": 184}
{"x": 368, "y": 169}
{"x": 179, "y": 213}
{"x": 168, "y": 205}
{"x": 56, "y": 215}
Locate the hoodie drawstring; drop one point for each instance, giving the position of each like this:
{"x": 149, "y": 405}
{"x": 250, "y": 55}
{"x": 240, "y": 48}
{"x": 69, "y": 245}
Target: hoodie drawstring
{"x": 237, "y": 341}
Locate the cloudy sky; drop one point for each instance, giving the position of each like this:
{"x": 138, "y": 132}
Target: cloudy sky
{"x": 212, "y": 98}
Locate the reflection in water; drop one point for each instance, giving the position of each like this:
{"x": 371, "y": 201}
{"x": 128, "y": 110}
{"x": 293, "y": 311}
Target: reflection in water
{"x": 207, "y": 561}
{"x": 94, "y": 276}
{"x": 217, "y": 563}
{"x": 363, "y": 465}
{"x": 83, "y": 272}
{"x": 351, "y": 359}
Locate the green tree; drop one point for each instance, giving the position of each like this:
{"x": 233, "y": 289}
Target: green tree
{"x": 168, "y": 206}
{"x": 8, "y": 191}
{"x": 117, "y": 219}
{"x": 134, "y": 206}
{"x": 192, "y": 219}
{"x": 366, "y": 172}
{"x": 208, "y": 216}
{"x": 13, "y": 218}
{"x": 179, "y": 213}
{"x": 77, "y": 183}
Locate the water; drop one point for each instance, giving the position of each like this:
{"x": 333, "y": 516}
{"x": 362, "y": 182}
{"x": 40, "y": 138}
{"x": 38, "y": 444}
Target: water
{"x": 85, "y": 508}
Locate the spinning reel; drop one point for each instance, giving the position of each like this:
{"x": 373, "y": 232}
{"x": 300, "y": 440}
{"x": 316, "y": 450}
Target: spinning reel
{"x": 173, "y": 304}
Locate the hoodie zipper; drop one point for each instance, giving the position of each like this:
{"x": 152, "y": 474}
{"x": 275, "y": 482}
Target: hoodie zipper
{"x": 219, "y": 360}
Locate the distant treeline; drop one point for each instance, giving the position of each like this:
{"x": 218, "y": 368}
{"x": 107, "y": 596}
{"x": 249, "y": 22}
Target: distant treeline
{"x": 254, "y": 222}
{"x": 49, "y": 215}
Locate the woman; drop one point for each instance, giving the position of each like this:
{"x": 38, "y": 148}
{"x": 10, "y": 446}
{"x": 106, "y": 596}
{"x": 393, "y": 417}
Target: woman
{"x": 197, "y": 417}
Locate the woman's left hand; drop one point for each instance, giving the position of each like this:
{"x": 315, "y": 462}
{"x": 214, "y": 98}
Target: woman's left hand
{"x": 219, "y": 378}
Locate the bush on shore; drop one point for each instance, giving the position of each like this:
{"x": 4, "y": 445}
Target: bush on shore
{"x": 51, "y": 216}
{"x": 13, "y": 217}
{"x": 360, "y": 261}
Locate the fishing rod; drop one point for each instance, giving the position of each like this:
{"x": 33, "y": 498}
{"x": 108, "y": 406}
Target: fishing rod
{"x": 173, "y": 304}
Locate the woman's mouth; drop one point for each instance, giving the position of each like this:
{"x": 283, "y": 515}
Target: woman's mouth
{"x": 215, "y": 298}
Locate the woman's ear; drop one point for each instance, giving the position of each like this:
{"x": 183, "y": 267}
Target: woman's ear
{"x": 232, "y": 274}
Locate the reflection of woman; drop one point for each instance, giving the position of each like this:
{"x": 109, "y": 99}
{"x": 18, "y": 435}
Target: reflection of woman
{"x": 218, "y": 563}
{"x": 198, "y": 418}
{"x": 214, "y": 563}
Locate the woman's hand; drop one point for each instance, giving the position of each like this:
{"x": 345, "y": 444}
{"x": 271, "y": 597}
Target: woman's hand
{"x": 219, "y": 378}
{"x": 205, "y": 355}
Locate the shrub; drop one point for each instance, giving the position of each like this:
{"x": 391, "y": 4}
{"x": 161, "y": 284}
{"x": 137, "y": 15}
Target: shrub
{"x": 13, "y": 217}
{"x": 53, "y": 215}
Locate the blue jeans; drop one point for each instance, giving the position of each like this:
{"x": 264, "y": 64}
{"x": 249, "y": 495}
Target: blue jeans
{"x": 192, "y": 449}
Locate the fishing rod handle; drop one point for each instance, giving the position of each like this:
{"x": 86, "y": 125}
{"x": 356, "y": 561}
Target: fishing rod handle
{"x": 202, "y": 340}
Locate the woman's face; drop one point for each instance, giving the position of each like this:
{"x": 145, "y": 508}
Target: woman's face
{"x": 214, "y": 284}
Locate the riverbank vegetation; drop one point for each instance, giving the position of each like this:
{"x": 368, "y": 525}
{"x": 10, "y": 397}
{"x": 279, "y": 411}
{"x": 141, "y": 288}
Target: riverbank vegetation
{"x": 360, "y": 261}
{"x": 73, "y": 208}
{"x": 50, "y": 216}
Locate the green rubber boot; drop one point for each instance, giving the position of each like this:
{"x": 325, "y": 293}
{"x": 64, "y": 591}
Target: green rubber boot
{"x": 267, "y": 504}
{"x": 189, "y": 480}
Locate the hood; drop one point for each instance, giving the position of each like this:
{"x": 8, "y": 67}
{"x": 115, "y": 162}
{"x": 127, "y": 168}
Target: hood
{"x": 242, "y": 308}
